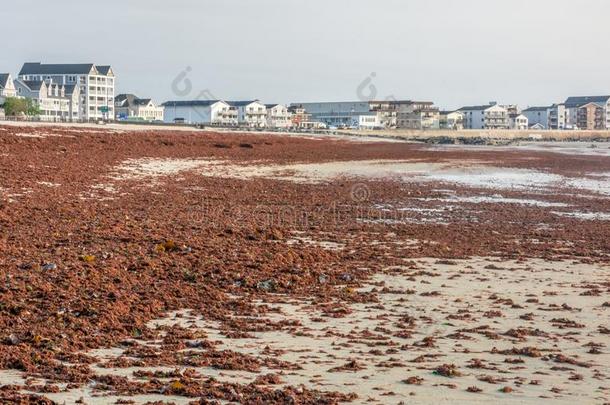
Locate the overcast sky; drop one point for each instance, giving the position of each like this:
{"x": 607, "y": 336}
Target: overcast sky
{"x": 452, "y": 52}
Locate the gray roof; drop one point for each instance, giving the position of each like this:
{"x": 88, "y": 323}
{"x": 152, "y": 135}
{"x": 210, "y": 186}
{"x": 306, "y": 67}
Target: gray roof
{"x": 55, "y": 69}
{"x": 131, "y": 99}
{"x": 103, "y": 69}
{"x": 537, "y": 108}
{"x": 477, "y": 107}
{"x": 33, "y": 85}
{"x": 241, "y": 103}
{"x": 70, "y": 89}
{"x": 580, "y": 101}
{"x": 190, "y": 103}
{"x": 4, "y": 79}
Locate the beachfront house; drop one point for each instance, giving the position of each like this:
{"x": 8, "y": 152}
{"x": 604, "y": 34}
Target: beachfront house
{"x": 518, "y": 122}
{"x": 418, "y": 115}
{"x": 131, "y": 107}
{"x": 278, "y": 116}
{"x": 250, "y": 113}
{"x": 453, "y": 120}
{"x": 490, "y": 116}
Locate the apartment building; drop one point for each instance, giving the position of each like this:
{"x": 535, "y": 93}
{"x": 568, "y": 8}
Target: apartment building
{"x": 301, "y": 119}
{"x": 417, "y": 115}
{"x": 96, "y": 85}
{"x": 54, "y": 102}
{"x": 591, "y": 116}
{"x": 210, "y": 112}
{"x": 250, "y": 113}
{"x": 490, "y": 116}
{"x": 574, "y": 115}
{"x": 7, "y": 87}
{"x": 131, "y": 107}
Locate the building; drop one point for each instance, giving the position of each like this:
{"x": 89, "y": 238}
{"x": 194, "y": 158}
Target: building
{"x": 96, "y": 85}
{"x": 278, "y": 116}
{"x": 558, "y": 116}
{"x": 370, "y": 120}
{"x": 209, "y": 112}
{"x": 538, "y": 115}
{"x": 591, "y": 116}
{"x": 451, "y": 120}
{"x": 301, "y": 119}
{"x": 518, "y": 121}
{"x": 336, "y": 114}
{"x": 7, "y": 87}
{"x": 50, "y": 98}
{"x": 129, "y": 106}
{"x": 574, "y": 115}
{"x": 417, "y": 115}
{"x": 251, "y": 113}
{"x": 490, "y": 116}
{"x": 387, "y": 112}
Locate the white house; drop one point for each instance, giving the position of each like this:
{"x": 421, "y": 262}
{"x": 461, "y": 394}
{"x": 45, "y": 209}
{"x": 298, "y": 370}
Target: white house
{"x": 518, "y": 122}
{"x": 278, "y": 116}
{"x": 490, "y": 116}
{"x": 250, "y": 113}
{"x": 7, "y": 87}
{"x": 128, "y": 106}
{"x": 96, "y": 85}
{"x": 371, "y": 120}
{"x": 50, "y": 98}
{"x": 210, "y": 112}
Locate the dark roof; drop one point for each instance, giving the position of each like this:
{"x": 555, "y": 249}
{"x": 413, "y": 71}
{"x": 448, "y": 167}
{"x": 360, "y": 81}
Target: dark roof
{"x": 272, "y": 105}
{"x": 4, "y": 79}
{"x": 33, "y": 85}
{"x": 537, "y": 108}
{"x": 580, "y": 101}
{"x": 131, "y": 99}
{"x": 55, "y": 69}
{"x": 477, "y": 107}
{"x": 70, "y": 89}
{"x": 190, "y": 103}
{"x": 103, "y": 69}
{"x": 241, "y": 103}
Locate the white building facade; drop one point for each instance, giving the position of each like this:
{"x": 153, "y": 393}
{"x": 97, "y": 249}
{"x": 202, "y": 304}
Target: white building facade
{"x": 96, "y": 85}
{"x": 50, "y": 98}
{"x": 278, "y": 116}
{"x": 250, "y": 113}
{"x": 208, "y": 112}
{"x": 491, "y": 116}
{"x": 518, "y": 122}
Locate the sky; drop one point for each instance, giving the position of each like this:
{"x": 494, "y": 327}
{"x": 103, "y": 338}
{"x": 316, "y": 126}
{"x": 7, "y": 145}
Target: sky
{"x": 452, "y": 52}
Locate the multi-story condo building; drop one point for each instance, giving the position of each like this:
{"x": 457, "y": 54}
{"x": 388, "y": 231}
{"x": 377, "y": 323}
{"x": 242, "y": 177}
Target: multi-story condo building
{"x": 557, "y": 116}
{"x": 210, "y": 112}
{"x": 278, "y": 116}
{"x": 417, "y": 115}
{"x": 573, "y": 106}
{"x": 54, "y": 102}
{"x": 551, "y": 117}
{"x": 96, "y": 85}
{"x": 7, "y": 87}
{"x": 301, "y": 119}
{"x": 591, "y": 116}
{"x": 129, "y": 106}
{"x": 250, "y": 113}
{"x": 490, "y": 116}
